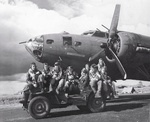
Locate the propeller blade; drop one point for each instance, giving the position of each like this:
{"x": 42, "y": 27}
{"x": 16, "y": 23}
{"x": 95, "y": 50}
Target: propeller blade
{"x": 120, "y": 66}
{"x": 22, "y": 42}
{"x": 114, "y": 22}
{"x": 95, "y": 56}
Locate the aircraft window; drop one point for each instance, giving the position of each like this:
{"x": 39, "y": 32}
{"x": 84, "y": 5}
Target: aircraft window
{"x": 77, "y": 44}
{"x": 39, "y": 40}
{"x": 49, "y": 41}
{"x": 67, "y": 41}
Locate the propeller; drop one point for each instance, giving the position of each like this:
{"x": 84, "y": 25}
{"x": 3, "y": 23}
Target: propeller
{"x": 118, "y": 63}
{"x": 111, "y": 39}
{"x": 114, "y": 22}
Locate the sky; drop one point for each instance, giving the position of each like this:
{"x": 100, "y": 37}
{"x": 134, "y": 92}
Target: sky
{"x": 21, "y": 20}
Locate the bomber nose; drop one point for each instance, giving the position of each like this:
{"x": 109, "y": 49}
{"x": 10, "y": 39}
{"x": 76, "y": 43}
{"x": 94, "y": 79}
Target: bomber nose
{"x": 35, "y": 47}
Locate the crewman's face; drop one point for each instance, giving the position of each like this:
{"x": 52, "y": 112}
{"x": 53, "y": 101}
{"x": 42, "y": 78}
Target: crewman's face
{"x": 100, "y": 62}
{"x": 87, "y": 67}
{"x": 56, "y": 67}
{"x": 33, "y": 67}
{"x": 103, "y": 71}
{"x": 70, "y": 70}
{"x": 93, "y": 69}
{"x": 46, "y": 67}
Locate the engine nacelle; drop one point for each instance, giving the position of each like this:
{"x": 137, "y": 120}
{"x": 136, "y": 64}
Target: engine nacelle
{"x": 124, "y": 45}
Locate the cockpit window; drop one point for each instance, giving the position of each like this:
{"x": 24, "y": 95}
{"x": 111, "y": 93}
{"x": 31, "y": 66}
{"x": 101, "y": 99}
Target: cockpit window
{"x": 39, "y": 39}
{"x": 96, "y": 33}
{"x": 67, "y": 41}
{"x": 100, "y": 34}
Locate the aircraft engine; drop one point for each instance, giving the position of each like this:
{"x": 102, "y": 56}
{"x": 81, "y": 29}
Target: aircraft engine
{"x": 123, "y": 45}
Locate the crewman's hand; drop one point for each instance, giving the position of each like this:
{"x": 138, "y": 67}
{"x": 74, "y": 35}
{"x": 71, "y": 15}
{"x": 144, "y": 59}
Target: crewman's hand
{"x": 37, "y": 73}
{"x": 35, "y": 85}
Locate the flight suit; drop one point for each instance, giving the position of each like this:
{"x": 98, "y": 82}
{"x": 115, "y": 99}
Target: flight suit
{"x": 100, "y": 67}
{"x": 31, "y": 80}
{"x": 57, "y": 81}
{"x": 96, "y": 83}
{"x": 44, "y": 80}
{"x": 84, "y": 79}
{"x": 71, "y": 84}
{"x": 109, "y": 86}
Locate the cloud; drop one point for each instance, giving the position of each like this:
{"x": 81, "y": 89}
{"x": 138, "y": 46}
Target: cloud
{"x": 67, "y": 8}
{"x": 12, "y": 84}
{"x": 21, "y": 77}
{"x": 19, "y": 23}
{"x": 24, "y": 19}
{"x": 11, "y": 88}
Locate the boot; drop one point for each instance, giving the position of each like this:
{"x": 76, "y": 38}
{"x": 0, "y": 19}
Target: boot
{"x": 41, "y": 87}
{"x": 115, "y": 95}
{"x": 50, "y": 88}
{"x": 98, "y": 95}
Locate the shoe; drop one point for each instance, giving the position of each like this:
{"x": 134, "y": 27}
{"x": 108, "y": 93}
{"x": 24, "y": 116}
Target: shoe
{"x": 22, "y": 101}
{"x": 108, "y": 97}
{"x": 48, "y": 91}
{"x": 116, "y": 96}
{"x": 98, "y": 96}
{"x": 41, "y": 92}
{"x": 63, "y": 102}
{"x": 57, "y": 91}
{"x": 66, "y": 95}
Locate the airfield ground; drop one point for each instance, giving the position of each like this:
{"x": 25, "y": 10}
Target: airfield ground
{"x": 125, "y": 109}
{"x": 128, "y": 108}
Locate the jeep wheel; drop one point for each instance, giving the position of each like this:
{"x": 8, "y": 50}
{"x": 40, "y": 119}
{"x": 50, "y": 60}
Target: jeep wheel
{"x": 96, "y": 104}
{"x": 39, "y": 107}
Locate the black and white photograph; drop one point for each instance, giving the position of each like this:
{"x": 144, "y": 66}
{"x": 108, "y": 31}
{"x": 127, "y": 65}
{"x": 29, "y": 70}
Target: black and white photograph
{"x": 74, "y": 61}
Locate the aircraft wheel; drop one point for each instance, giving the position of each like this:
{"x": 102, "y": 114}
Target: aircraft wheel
{"x": 39, "y": 107}
{"x": 96, "y": 104}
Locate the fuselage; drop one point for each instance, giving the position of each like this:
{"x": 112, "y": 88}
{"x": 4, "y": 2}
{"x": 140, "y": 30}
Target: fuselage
{"x": 75, "y": 50}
